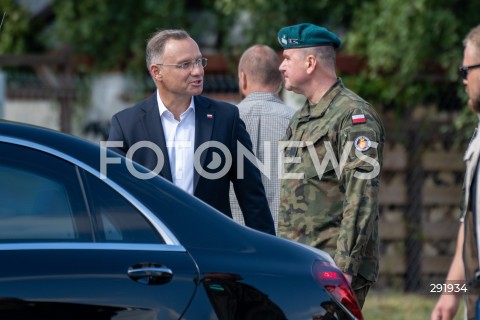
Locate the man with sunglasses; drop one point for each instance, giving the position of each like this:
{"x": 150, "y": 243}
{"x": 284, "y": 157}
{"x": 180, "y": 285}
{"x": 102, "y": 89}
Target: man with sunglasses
{"x": 464, "y": 273}
{"x": 189, "y": 139}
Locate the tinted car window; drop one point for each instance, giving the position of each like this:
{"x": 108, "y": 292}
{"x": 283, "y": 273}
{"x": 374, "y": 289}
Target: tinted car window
{"x": 40, "y": 198}
{"x": 116, "y": 219}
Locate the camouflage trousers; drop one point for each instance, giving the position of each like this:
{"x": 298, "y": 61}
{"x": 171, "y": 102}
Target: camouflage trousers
{"x": 360, "y": 287}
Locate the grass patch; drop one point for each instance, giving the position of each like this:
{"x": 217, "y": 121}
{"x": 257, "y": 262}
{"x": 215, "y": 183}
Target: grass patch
{"x": 381, "y": 305}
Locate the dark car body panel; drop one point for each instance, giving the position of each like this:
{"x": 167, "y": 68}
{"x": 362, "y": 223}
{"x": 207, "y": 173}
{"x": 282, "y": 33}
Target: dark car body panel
{"x": 220, "y": 269}
{"x": 97, "y": 277}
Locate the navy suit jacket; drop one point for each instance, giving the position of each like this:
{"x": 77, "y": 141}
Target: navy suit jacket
{"x": 214, "y": 121}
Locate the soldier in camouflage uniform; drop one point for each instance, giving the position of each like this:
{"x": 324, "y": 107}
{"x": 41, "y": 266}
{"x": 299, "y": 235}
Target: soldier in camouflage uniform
{"x": 331, "y": 161}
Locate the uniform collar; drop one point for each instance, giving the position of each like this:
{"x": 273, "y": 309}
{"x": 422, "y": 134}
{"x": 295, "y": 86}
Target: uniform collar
{"x": 317, "y": 110}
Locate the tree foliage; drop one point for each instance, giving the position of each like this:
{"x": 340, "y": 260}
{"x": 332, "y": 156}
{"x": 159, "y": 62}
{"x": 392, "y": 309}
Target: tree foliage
{"x": 15, "y": 28}
{"x": 262, "y": 19}
{"x": 408, "y": 45}
{"x": 114, "y": 33}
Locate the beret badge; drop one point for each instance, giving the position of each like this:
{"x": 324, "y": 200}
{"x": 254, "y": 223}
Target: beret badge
{"x": 306, "y": 35}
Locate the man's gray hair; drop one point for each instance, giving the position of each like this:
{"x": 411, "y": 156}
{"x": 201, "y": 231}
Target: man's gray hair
{"x": 156, "y": 43}
{"x": 473, "y": 37}
{"x": 326, "y": 54}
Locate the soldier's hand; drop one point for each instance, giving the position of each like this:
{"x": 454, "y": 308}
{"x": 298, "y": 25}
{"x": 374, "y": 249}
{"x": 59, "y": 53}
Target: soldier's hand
{"x": 446, "y": 307}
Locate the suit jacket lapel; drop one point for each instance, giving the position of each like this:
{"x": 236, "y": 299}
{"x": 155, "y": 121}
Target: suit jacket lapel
{"x": 154, "y": 128}
{"x": 204, "y": 120}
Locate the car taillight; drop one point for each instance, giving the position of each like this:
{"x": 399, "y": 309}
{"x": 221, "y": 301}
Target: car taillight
{"x": 333, "y": 280}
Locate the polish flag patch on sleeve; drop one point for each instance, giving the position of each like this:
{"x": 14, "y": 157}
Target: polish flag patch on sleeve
{"x": 359, "y": 118}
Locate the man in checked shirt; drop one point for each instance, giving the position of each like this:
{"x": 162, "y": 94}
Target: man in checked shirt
{"x": 266, "y": 118}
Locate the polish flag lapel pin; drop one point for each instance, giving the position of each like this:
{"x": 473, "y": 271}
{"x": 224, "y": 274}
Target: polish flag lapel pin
{"x": 209, "y": 116}
{"x": 358, "y": 118}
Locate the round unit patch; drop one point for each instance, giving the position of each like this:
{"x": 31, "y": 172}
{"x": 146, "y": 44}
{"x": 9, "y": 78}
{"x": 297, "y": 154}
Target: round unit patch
{"x": 362, "y": 143}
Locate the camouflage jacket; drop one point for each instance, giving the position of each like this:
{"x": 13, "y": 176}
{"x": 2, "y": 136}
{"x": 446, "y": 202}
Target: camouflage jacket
{"x": 332, "y": 158}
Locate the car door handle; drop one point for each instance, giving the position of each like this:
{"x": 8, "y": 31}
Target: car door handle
{"x": 149, "y": 273}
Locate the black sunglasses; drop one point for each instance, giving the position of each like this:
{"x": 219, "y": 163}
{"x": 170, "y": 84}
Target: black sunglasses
{"x": 463, "y": 71}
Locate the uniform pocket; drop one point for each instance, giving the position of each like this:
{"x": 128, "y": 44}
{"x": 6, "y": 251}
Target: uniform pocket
{"x": 318, "y": 155}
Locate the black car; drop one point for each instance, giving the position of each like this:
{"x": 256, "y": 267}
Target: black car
{"x": 88, "y": 234}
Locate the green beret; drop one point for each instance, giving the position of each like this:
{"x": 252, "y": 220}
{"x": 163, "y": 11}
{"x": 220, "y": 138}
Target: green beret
{"x": 306, "y": 35}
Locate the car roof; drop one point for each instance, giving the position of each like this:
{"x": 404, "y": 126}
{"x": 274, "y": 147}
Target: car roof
{"x": 76, "y": 147}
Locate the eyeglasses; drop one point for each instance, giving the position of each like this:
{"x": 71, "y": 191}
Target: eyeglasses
{"x": 188, "y": 65}
{"x": 463, "y": 71}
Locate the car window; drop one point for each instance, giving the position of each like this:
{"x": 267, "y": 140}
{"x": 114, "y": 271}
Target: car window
{"x": 116, "y": 219}
{"x": 40, "y": 198}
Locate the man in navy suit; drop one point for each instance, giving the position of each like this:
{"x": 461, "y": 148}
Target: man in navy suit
{"x": 189, "y": 139}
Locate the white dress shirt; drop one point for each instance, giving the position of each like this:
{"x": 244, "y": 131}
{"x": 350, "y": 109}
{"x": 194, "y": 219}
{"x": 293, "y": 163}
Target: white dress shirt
{"x": 180, "y": 139}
